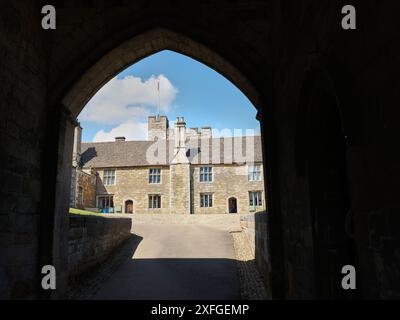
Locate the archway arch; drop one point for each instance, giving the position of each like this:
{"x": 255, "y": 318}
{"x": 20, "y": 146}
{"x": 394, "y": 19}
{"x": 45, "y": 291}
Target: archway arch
{"x": 142, "y": 46}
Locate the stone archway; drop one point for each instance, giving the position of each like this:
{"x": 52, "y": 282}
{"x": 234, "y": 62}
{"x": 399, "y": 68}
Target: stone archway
{"x": 107, "y": 67}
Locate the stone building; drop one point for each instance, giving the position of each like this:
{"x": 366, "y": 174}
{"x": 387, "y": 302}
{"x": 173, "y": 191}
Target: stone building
{"x": 83, "y": 182}
{"x": 180, "y": 170}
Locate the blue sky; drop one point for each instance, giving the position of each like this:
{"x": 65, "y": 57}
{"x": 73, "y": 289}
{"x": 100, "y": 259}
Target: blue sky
{"x": 187, "y": 88}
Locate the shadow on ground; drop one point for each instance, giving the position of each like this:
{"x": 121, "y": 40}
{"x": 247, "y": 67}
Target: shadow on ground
{"x": 88, "y": 283}
{"x": 173, "y": 279}
{"x": 121, "y": 277}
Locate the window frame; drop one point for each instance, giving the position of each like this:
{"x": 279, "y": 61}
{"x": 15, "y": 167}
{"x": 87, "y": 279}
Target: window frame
{"x": 107, "y": 176}
{"x": 208, "y": 201}
{"x": 254, "y": 171}
{"x": 109, "y": 198}
{"x": 155, "y": 175}
{"x": 256, "y": 199}
{"x": 151, "y": 201}
{"x": 80, "y": 196}
{"x": 209, "y": 174}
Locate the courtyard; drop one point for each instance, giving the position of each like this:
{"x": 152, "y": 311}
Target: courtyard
{"x": 172, "y": 257}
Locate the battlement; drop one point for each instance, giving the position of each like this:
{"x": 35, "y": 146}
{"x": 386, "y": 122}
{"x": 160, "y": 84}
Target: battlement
{"x": 158, "y": 127}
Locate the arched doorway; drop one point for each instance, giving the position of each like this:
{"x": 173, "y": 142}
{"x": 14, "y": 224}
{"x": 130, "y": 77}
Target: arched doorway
{"x": 321, "y": 160}
{"x": 232, "y": 205}
{"x": 129, "y": 207}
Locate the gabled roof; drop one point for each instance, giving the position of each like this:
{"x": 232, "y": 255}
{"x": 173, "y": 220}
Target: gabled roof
{"x": 150, "y": 153}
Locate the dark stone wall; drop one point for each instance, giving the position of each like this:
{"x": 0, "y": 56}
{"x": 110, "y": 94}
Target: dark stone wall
{"x": 359, "y": 70}
{"x": 23, "y": 94}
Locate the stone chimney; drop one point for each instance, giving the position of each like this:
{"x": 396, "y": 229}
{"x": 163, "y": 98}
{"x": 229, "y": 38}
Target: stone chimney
{"x": 180, "y": 194}
{"x": 120, "y": 139}
{"x": 180, "y": 146}
{"x": 76, "y": 155}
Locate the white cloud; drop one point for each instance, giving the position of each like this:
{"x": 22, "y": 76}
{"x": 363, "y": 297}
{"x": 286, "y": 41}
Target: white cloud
{"x": 129, "y": 98}
{"x": 131, "y": 130}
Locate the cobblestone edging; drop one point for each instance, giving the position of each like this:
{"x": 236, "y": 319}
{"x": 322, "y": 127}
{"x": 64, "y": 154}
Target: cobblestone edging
{"x": 251, "y": 282}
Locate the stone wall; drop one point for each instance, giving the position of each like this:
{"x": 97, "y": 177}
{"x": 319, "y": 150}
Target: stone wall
{"x": 180, "y": 189}
{"x": 92, "y": 239}
{"x": 255, "y": 227}
{"x": 23, "y": 91}
{"x": 88, "y": 184}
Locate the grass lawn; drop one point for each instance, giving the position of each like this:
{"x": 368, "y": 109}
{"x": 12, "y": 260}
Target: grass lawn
{"x": 83, "y": 212}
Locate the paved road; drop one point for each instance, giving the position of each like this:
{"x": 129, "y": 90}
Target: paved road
{"x": 176, "y": 262}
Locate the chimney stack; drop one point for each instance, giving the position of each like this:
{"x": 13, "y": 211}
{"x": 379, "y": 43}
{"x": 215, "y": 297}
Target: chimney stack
{"x": 180, "y": 137}
{"x": 76, "y": 156}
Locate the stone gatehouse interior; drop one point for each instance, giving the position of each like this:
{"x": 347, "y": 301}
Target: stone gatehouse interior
{"x": 327, "y": 101}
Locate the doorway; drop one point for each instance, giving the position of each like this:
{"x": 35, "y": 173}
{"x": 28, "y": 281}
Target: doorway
{"x": 232, "y": 205}
{"x": 129, "y": 207}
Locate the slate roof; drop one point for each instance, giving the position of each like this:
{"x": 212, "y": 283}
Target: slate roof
{"x": 143, "y": 153}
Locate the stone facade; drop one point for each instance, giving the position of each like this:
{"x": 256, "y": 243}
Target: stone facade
{"x": 180, "y": 187}
{"x": 229, "y": 181}
{"x": 133, "y": 184}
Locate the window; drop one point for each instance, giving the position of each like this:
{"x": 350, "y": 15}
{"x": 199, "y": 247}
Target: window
{"x": 255, "y": 199}
{"x": 206, "y": 174}
{"x": 154, "y": 201}
{"x": 206, "y": 200}
{"x": 80, "y": 196}
{"x": 254, "y": 172}
{"x": 105, "y": 202}
{"x": 109, "y": 177}
{"x": 155, "y": 176}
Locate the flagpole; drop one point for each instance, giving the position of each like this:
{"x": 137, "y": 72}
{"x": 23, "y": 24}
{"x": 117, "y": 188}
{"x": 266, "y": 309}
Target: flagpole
{"x": 159, "y": 99}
